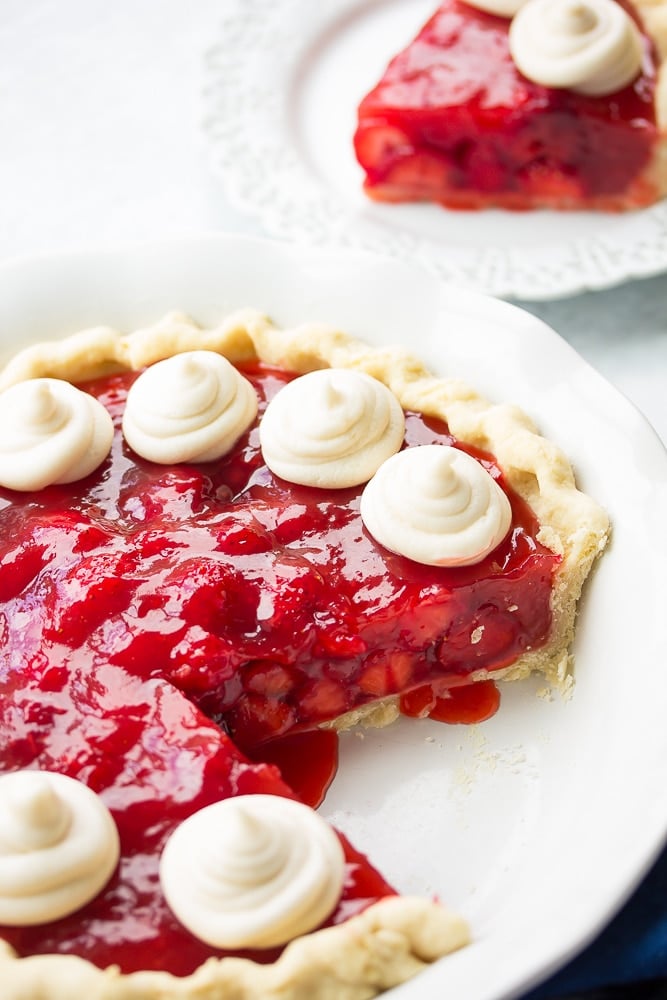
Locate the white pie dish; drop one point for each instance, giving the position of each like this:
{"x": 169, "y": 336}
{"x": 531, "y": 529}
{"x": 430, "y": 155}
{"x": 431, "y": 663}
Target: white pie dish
{"x": 537, "y": 824}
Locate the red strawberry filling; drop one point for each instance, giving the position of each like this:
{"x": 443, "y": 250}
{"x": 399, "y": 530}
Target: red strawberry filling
{"x": 155, "y": 760}
{"x": 149, "y": 611}
{"x": 454, "y": 121}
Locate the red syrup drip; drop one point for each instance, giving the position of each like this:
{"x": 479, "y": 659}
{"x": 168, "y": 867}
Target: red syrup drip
{"x": 307, "y": 762}
{"x": 467, "y": 704}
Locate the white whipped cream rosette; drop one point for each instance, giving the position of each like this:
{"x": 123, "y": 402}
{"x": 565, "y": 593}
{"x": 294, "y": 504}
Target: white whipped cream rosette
{"x": 50, "y": 433}
{"x": 502, "y": 8}
{"x": 192, "y": 407}
{"x": 436, "y": 505}
{"x": 590, "y": 46}
{"x": 331, "y": 428}
{"x": 59, "y": 846}
{"x": 253, "y": 871}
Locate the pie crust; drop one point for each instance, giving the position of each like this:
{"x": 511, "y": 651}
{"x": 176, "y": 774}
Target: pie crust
{"x": 396, "y": 937}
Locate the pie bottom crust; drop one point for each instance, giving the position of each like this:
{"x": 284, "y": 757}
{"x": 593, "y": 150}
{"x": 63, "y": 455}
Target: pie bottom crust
{"x": 395, "y": 938}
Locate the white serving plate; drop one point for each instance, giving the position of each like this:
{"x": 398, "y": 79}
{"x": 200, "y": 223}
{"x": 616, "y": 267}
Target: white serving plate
{"x": 282, "y": 84}
{"x": 537, "y": 824}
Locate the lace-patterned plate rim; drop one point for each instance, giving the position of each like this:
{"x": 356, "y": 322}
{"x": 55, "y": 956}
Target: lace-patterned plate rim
{"x": 279, "y": 117}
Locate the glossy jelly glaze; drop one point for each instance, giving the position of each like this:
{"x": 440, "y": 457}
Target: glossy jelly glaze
{"x": 454, "y": 121}
{"x": 149, "y": 611}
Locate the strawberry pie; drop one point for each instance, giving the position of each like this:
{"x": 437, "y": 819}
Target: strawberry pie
{"x": 219, "y": 548}
{"x": 522, "y": 104}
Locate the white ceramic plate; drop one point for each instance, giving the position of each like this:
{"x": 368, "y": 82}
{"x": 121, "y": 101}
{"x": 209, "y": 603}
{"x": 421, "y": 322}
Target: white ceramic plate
{"x": 282, "y": 86}
{"x": 538, "y": 823}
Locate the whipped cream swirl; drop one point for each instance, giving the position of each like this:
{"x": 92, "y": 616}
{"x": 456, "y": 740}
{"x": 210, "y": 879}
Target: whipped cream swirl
{"x": 502, "y": 8}
{"x": 58, "y": 846}
{"x": 192, "y": 407}
{"x": 436, "y": 505}
{"x": 331, "y": 428}
{"x": 50, "y": 432}
{"x": 591, "y": 46}
{"x": 253, "y": 871}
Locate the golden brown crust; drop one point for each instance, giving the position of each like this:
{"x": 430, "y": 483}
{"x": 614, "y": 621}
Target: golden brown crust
{"x": 385, "y": 945}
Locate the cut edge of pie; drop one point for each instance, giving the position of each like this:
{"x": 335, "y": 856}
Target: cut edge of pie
{"x": 395, "y": 938}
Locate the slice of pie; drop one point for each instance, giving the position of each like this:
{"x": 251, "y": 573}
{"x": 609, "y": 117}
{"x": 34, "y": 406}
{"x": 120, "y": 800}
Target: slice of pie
{"x": 174, "y": 617}
{"x": 455, "y": 120}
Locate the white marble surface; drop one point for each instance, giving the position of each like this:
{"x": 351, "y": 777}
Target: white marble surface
{"x": 101, "y": 142}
